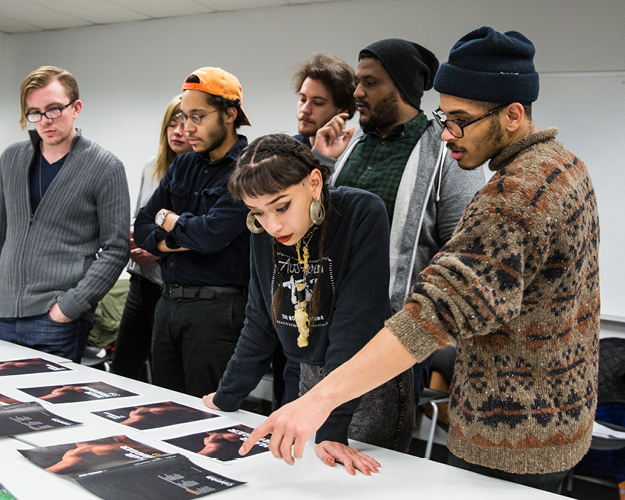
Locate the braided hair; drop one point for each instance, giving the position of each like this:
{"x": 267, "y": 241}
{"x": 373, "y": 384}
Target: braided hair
{"x": 269, "y": 165}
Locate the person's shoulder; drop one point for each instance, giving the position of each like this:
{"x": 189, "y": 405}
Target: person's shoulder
{"x": 91, "y": 149}
{"x": 183, "y": 160}
{"x": 350, "y": 199}
{"x": 17, "y": 147}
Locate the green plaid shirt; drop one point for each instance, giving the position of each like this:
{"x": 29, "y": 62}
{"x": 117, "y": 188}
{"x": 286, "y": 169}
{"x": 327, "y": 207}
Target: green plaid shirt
{"x": 377, "y": 163}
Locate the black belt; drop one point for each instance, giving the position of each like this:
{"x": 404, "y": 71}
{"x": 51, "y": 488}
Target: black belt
{"x": 198, "y": 292}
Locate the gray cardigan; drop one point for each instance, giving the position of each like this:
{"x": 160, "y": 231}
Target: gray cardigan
{"x": 432, "y": 196}
{"x": 74, "y": 247}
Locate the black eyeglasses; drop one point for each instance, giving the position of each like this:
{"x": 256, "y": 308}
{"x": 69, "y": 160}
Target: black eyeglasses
{"x": 457, "y": 129}
{"x": 197, "y": 119}
{"x": 51, "y": 114}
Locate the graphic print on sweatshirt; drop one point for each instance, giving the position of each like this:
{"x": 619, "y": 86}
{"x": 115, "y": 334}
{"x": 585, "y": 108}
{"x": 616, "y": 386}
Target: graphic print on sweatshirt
{"x": 291, "y": 273}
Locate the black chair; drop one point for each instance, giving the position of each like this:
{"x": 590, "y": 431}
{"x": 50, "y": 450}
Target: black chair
{"x": 611, "y": 401}
{"x": 442, "y": 362}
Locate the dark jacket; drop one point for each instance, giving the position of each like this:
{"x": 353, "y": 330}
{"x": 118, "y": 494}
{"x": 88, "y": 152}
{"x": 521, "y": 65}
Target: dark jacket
{"x": 211, "y": 223}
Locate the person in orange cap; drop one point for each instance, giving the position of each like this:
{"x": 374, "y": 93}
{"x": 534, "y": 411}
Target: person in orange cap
{"x": 199, "y": 232}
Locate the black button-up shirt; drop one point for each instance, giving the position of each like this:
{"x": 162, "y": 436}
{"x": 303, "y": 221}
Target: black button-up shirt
{"x": 211, "y": 224}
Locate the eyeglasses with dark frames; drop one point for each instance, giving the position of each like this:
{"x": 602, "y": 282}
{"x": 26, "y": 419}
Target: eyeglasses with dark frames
{"x": 457, "y": 129}
{"x": 51, "y": 114}
{"x": 197, "y": 119}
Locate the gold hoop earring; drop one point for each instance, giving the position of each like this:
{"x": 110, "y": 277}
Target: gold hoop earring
{"x": 250, "y": 222}
{"x": 317, "y": 212}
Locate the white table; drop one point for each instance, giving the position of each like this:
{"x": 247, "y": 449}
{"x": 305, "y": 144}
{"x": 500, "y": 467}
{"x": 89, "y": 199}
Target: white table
{"x": 401, "y": 476}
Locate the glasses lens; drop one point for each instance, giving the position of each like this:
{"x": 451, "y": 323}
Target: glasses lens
{"x": 454, "y": 129}
{"x": 33, "y": 117}
{"x": 182, "y": 118}
{"x": 51, "y": 114}
{"x": 197, "y": 119}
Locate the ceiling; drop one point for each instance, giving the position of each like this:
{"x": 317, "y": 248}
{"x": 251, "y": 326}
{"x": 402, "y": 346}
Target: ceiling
{"x": 24, "y": 16}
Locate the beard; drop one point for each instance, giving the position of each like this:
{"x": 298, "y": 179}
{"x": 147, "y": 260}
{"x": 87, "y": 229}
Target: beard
{"x": 216, "y": 136}
{"x": 489, "y": 146}
{"x": 384, "y": 114}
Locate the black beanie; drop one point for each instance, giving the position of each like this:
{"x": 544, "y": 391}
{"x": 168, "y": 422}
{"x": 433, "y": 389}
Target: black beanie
{"x": 411, "y": 66}
{"x": 489, "y": 66}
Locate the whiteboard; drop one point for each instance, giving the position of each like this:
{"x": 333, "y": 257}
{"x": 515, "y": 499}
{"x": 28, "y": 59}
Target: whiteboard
{"x": 589, "y": 110}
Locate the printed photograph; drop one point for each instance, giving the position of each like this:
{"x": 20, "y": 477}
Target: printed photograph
{"x": 74, "y": 393}
{"x": 154, "y": 415}
{"x": 221, "y": 444}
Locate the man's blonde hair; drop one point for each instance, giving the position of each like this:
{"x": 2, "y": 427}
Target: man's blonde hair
{"x": 42, "y": 77}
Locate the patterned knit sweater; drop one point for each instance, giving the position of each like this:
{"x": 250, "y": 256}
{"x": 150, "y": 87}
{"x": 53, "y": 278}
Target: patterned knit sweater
{"x": 517, "y": 290}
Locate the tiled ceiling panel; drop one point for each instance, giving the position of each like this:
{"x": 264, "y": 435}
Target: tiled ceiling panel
{"x": 21, "y": 16}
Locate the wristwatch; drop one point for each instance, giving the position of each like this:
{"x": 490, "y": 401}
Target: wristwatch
{"x": 160, "y": 217}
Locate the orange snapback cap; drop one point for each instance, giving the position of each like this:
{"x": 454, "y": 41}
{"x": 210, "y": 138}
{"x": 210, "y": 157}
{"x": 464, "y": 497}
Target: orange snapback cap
{"x": 216, "y": 81}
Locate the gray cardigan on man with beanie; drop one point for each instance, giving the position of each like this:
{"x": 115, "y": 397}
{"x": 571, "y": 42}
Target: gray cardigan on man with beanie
{"x": 74, "y": 247}
{"x": 432, "y": 195}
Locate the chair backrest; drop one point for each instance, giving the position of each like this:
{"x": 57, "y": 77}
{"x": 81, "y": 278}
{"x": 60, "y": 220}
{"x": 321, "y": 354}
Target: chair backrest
{"x": 443, "y": 361}
{"x": 611, "y": 371}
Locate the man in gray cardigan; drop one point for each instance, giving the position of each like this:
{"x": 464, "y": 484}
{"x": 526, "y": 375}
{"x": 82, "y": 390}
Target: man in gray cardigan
{"x": 64, "y": 214}
{"x": 398, "y": 154}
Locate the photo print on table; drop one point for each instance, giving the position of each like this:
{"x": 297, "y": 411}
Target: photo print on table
{"x": 119, "y": 467}
{"x": 6, "y": 400}
{"x": 154, "y": 415}
{"x": 30, "y": 365}
{"x": 23, "y": 418}
{"x": 74, "y": 393}
{"x": 222, "y": 444}
{"x": 90, "y": 456}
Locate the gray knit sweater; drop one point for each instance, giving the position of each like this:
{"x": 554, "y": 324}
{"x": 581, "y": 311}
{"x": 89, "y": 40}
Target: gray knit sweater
{"x": 75, "y": 245}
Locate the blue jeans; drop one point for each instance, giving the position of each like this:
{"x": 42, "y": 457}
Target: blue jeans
{"x": 41, "y": 332}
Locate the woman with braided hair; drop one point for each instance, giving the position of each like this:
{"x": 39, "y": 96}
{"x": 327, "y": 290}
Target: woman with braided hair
{"x": 319, "y": 287}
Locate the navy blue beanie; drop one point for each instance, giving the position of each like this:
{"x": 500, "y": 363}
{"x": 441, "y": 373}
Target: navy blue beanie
{"x": 411, "y": 66}
{"x": 489, "y": 66}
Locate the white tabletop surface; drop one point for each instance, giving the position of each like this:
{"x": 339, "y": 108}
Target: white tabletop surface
{"x": 401, "y": 476}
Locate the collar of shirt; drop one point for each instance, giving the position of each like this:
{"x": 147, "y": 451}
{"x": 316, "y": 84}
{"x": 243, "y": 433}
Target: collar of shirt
{"x": 414, "y": 127}
{"x": 231, "y": 155}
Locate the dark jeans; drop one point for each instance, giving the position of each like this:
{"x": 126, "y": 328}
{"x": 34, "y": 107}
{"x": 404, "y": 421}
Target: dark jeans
{"x": 40, "y": 332}
{"x": 134, "y": 340}
{"x": 194, "y": 339}
{"x": 385, "y": 416}
{"x": 291, "y": 381}
{"x": 551, "y": 482}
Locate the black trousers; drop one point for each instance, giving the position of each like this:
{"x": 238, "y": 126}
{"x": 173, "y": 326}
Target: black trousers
{"x": 194, "y": 339}
{"x": 134, "y": 340}
{"x": 551, "y": 482}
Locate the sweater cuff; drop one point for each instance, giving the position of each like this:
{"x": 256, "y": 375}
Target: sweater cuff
{"x": 226, "y": 402}
{"x": 414, "y": 338}
{"x": 328, "y": 161}
{"x": 335, "y": 428}
{"x": 71, "y": 307}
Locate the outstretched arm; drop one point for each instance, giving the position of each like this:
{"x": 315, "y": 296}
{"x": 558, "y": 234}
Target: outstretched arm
{"x": 383, "y": 358}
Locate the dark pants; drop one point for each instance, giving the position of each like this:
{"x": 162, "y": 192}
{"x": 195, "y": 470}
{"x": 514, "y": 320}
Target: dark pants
{"x": 551, "y": 482}
{"x": 40, "y": 332}
{"x": 134, "y": 340}
{"x": 194, "y": 339}
{"x": 291, "y": 381}
{"x": 385, "y": 416}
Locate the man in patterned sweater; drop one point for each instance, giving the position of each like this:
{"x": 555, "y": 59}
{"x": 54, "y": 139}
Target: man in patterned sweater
{"x": 516, "y": 288}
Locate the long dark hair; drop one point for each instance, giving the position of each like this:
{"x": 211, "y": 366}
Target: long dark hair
{"x": 269, "y": 165}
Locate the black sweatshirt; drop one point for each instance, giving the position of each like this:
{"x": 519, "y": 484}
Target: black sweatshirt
{"x": 354, "y": 297}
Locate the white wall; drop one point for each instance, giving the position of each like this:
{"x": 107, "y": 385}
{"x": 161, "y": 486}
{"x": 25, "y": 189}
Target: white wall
{"x": 128, "y": 73}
